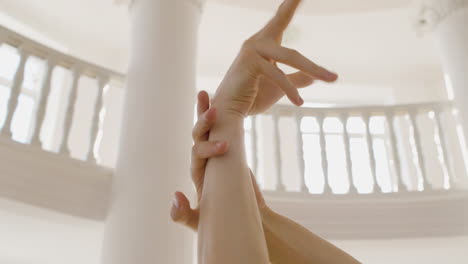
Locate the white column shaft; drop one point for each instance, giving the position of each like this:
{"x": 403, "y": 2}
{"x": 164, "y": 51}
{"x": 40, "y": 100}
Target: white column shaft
{"x": 451, "y": 35}
{"x": 156, "y": 136}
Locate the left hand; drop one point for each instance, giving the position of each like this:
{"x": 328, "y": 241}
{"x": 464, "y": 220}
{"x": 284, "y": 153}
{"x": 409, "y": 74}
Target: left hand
{"x": 202, "y": 150}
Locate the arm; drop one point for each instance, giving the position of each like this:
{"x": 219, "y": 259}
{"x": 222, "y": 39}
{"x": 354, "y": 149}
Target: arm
{"x": 230, "y": 228}
{"x": 289, "y": 242}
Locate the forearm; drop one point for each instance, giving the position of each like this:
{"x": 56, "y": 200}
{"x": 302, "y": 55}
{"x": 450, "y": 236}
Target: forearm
{"x": 230, "y": 229}
{"x": 289, "y": 242}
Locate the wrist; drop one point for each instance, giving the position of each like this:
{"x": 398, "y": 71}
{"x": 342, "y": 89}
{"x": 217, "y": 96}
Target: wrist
{"x": 226, "y": 111}
{"x": 265, "y": 211}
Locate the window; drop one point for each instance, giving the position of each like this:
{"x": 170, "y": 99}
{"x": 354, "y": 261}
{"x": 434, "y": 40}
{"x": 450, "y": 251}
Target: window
{"x": 336, "y": 155}
{"x": 22, "y": 123}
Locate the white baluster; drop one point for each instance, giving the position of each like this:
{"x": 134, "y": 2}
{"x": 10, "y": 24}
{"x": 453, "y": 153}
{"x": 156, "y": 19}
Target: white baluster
{"x": 300, "y": 152}
{"x": 40, "y": 114}
{"x": 395, "y": 152}
{"x": 102, "y": 82}
{"x": 253, "y": 136}
{"x": 442, "y": 148}
{"x": 280, "y": 185}
{"x": 14, "y": 94}
{"x": 323, "y": 151}
{"x": 347, "y": 146}
{"x": 370, "y": 149}
{"x": 419, "y": 152}
{"x": 64, "y": 148}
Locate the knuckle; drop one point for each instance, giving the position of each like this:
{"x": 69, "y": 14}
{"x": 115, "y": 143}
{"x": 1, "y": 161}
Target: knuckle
{"x": 194, "y": 150}
{"x": 194, "y": 133}
{"x": 294, "y": 53}
{"x": 200, "y": 129}
{"x": 249, "y": 46}
{"x": 248, "y": 42}
{"x": 175, "y": 218}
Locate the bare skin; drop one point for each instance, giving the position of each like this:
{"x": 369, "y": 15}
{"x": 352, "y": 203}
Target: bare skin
{"x": 287, "y": 241}
{"x": 230, "y": 226}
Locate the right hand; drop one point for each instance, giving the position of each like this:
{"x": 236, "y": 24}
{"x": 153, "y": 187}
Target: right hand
{"x": 254, "y": 82}
{"x": 202, "y": 150}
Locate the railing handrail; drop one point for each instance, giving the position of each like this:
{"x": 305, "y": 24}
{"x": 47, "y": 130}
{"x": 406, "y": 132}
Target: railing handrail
{"x": 359, "y": 110}
{"x": 67, "y": 61}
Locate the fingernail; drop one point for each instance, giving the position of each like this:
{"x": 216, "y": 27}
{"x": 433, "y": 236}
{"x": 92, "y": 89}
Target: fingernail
{"x": 300, "y": 101}
{"x": 175, "y": 202}
{"x": 219, "y": 145}
{"x": 209, "y": 114}
{"x": 331, "y": 75}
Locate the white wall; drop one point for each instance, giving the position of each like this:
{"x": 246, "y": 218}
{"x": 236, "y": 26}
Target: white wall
{"x": 34, "y": 236}
{"x": 449, "y": 250}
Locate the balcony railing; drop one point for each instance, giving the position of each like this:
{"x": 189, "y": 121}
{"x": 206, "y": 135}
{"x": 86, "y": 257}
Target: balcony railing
{"x": 320, "y": 159}
{"x": 357, "y": 150}
{"x": 51, "y": 60}
{"x": 336, "y": 150}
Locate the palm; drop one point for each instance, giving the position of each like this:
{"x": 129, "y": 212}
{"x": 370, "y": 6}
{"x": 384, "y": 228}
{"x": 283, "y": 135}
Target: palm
{"x": 269, "y": 93}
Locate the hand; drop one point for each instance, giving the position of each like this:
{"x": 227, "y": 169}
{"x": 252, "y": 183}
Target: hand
{"x": 202, "y": 150}
{"x": 254, "y": 82}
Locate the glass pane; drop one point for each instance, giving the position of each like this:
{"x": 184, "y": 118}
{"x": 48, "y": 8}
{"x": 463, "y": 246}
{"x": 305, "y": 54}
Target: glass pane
{"x": 34, "y": 74}
{"x": 362, "y": 176}
{"x": 79, "y": 138}
{"x": 377, "y": 125}
{"x": 21, "y": 123}
{"x": 332, "y": 125}
{"x": 309, "y": 124}
{"x": 383, "y": 170}
{"x": 337, "y": 174}
{"x": 248, "y": 123}
{"x": 10, "y": 59}
{"x": 248, "y": 148}
{"x": 57, "y": 102}
{"x": 356, "y": 125}
{"x": 4, "y": 96}
{"x": 313, "y": 163}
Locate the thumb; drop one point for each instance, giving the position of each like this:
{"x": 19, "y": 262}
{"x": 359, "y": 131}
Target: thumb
{"x": 181, "y": 211}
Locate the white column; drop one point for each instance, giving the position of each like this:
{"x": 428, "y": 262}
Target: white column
{"x": 448, "y": 21}
{"x": 156, "y": 136}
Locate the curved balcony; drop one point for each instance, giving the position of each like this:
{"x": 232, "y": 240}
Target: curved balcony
{"x": 346, "y": 171}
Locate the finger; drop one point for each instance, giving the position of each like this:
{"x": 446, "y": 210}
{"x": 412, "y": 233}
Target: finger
{"x": 300, "y": 79}
{"x": 203, "y": 102}
{"x": 203, "y": 125}
{"x": 278, "y": 77}
{"x": 209, "y": 149}
{"x": 282, "y": 18}
{"x": 295, "y": 59}
{"x": 182, "y": 213}
{"x": 200, "y": 153}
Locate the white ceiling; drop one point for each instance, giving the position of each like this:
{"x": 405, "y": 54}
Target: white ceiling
{"x": 324, "y": 6}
